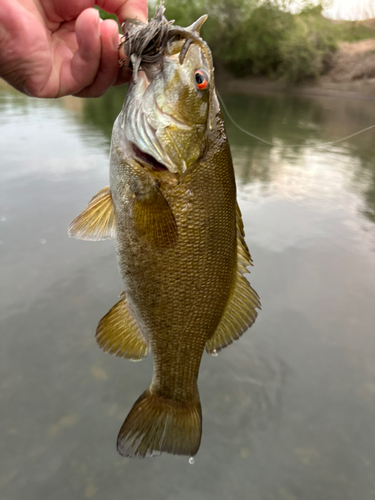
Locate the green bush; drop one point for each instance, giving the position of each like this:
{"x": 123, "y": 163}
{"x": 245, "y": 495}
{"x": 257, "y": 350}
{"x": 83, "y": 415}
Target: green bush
{"x": 256, "y": 37}
{"x": 306, "y": 52}
{"x": 260, "y": 38}
{"x": 253, "y": 45}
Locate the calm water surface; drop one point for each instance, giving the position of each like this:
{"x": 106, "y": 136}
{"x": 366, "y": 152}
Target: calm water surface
{"x": 289, "y": 410}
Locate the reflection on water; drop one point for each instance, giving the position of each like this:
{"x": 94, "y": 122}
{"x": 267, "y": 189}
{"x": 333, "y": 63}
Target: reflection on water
{"x": 289, "y": 409}
{"x": 306, "y": 123}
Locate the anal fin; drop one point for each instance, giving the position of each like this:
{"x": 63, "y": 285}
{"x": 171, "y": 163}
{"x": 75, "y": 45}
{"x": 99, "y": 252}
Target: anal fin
{"x": 241, "y": 309}
{"x": 97, "y": 221}
{"x": 119, "y": 334}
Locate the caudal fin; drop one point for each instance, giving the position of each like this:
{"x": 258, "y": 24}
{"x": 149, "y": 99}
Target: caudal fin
{"x": 155, "y": 425}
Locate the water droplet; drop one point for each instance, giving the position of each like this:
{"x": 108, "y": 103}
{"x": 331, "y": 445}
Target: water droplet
{"x": 3, "y": 219}
{"x": 43, "y": 242}
{"x": 214, "y": 352}
{"x": 191, "y": 460}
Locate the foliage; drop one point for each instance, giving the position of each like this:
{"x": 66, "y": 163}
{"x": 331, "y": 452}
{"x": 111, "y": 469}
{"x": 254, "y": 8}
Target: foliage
{"x": 261, "y": 37}
{"x": 251, "y": 44}
{"x": 352, "y": 31}
{"x": 254, "y": 37}
{"x": 306, "y": 52}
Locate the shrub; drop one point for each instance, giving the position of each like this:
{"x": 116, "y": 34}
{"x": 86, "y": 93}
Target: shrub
{"x": 261, "y": 38}
{"x": 257, "y": 37}
{"x": 307, "y": 50}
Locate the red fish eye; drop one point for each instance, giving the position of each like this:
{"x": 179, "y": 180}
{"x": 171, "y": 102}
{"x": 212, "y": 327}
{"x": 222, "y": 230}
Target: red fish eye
{"x": 201, "y": 79}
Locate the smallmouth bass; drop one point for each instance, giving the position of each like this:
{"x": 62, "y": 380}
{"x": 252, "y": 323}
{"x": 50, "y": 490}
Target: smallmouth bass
{"x": 171, "y": 206}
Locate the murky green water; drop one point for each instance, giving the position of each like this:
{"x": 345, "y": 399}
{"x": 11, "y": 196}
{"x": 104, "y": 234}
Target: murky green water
{"x": 289, "y": 410}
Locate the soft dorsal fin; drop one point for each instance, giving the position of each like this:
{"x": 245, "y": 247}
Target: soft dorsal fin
{"x": 240, "y": 312}
{"x": 119, "y": 334}
{"x": 97, "y": 221}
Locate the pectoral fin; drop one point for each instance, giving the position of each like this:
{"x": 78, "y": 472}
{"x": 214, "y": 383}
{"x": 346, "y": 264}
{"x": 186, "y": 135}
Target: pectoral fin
{"x": 97, "y": 221}
{"x": 119, "y": 334}
{"x": 154, "y": 218}
{"x": 240, "y": 312}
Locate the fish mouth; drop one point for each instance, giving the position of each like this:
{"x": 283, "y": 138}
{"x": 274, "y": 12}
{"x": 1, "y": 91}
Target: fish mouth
{"x": 150, "y": 160}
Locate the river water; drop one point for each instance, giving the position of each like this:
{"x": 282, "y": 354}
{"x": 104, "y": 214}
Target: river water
{"x": 289, "y": 410}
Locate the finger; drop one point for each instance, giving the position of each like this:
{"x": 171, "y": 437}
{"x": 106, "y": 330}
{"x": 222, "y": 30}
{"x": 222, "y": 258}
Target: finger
{"x": 126, "y": 9}
{"x": 81, "y": 70}
{"x": 124, "y": 76}
{"x": 108, "y": 68}
{"x": 59, "y": 11}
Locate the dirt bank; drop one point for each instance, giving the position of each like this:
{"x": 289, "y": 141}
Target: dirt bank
{"x": 353, "y": 61}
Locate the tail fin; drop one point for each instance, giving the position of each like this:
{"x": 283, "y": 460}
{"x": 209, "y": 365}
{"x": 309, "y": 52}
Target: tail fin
{"x": 155, "y": 425}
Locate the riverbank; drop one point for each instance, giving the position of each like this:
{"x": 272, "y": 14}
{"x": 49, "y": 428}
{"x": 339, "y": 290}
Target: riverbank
{"x": 351, "y": 74}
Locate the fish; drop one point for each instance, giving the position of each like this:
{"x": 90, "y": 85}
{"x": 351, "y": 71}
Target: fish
{"x": 180, "y": 243}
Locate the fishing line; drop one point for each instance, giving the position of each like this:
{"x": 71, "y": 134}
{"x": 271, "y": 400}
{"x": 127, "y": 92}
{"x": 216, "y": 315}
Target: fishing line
{"x": 288, "y": 145}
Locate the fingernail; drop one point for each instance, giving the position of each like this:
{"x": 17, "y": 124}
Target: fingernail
{"x": 97, "y": 21}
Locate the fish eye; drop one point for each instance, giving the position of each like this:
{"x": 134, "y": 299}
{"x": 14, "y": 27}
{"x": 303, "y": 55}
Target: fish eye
{"x": 201, "y": 79}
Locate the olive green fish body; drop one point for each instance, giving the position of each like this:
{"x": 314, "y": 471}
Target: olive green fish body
{"x": 179, "y": 291}
{"x": 171, "y": 206}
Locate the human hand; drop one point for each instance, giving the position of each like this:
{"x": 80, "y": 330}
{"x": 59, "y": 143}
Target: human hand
{"x": 52, "y": 48}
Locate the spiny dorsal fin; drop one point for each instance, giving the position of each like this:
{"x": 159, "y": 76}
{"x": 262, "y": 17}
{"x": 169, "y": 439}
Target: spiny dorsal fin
{"x": 97, "y": 221}
{"x": 119, "y": 334}
{"x": 197, "y": 25}
{"x": 240, "y": 312}
{"x": 154, "y": 218}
